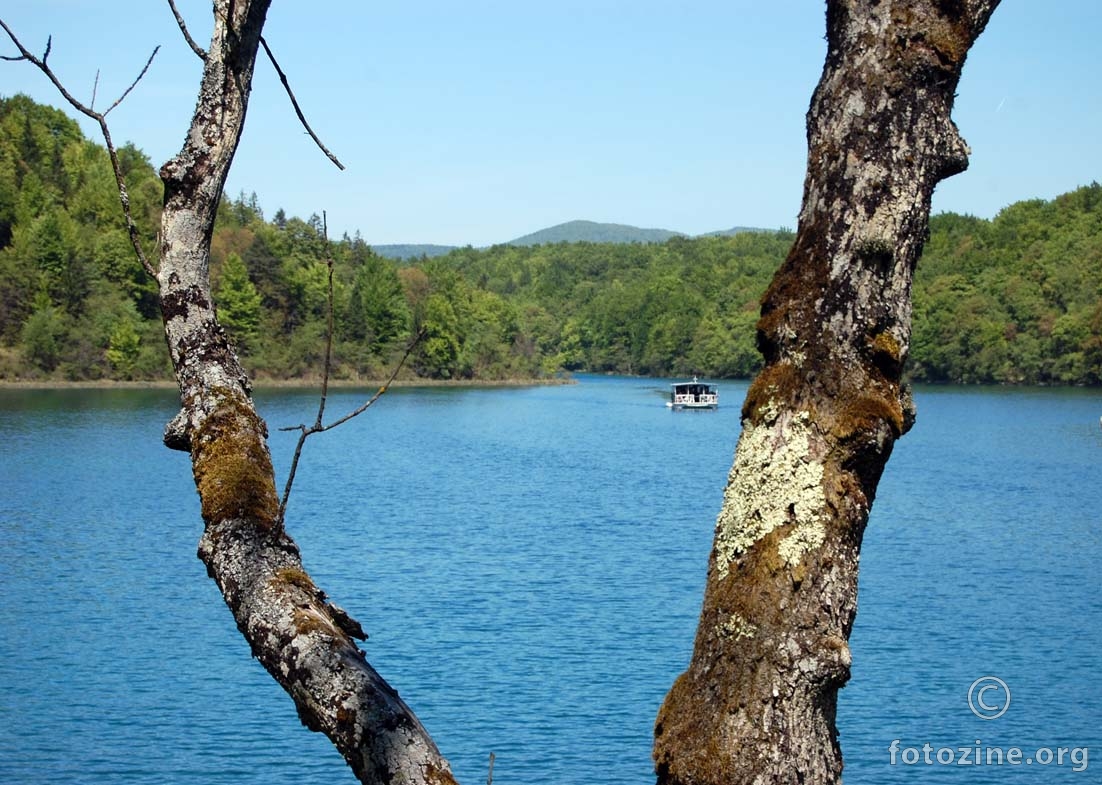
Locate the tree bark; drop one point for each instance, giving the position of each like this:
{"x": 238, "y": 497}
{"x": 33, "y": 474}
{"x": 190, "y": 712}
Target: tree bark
{"x": 303, "y": 640}
{"x": 757, "y": 703}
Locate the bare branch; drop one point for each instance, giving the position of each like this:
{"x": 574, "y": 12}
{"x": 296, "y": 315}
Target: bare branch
{"x": 124, "y": 199}
{"x": 95, "y": 89}
{"x": 200, "y": 51}
{"x": 298, "y": 111}
{"x": 41, "y": 65}
{"x": 116, "y": 166}
{"x": 133, "y": 84}
{"x": 328, "y": 365}
{"x": 317, "y": 428}
{"x": 382, "y": 390}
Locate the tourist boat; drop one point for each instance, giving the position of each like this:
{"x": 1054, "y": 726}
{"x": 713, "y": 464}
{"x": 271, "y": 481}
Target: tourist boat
{"x": 693, "y": 395}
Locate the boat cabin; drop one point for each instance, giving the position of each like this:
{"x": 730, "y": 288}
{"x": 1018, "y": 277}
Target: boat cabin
{"x": 693, "y": 395}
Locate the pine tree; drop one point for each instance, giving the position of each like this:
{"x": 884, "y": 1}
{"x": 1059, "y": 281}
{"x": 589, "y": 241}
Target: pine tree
{"x": 238, "y": 302}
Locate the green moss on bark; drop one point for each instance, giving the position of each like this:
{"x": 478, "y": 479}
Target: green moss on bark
{"x": 232, "y": 467}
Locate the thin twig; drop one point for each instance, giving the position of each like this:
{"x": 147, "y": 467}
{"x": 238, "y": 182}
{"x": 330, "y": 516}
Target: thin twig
{"x": 382, "y": 390}
{"x": 124, "y": 197}
{"x": 326, "y": 367}
{"x": 490, "y": 776}
{"x": 328, "y": 321}
{"x": 294, "y": 466}
{"x": 310, "y": 431}
{"x": 95, "y": 87}
{"x": 294, "y": 103}
{"x": 200, "y": 51}
{"x": 133, "y": 84}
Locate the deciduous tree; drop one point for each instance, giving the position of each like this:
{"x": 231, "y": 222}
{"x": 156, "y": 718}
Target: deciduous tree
{"x": 304, "y": 641}
{"x": 757, "y": 703}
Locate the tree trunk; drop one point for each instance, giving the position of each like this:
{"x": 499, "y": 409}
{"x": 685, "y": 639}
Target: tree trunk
{"x": 303, "y": 640}
{"x": 757, "y": 703}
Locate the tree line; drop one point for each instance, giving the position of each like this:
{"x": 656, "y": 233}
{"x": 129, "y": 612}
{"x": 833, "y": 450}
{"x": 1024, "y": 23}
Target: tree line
{"x": 1016, "y": 299}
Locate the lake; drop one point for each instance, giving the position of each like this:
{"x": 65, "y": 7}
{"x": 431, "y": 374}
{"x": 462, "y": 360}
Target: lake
{"x": 529, "y": 565}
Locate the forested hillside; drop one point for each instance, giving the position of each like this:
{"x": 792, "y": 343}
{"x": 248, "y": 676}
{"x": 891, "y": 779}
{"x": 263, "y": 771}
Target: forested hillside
{"x": 74, "y": 301}
{"x": 1017, "y": 299}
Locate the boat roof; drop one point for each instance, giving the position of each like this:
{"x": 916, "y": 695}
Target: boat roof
{"x": 694, "y": 382}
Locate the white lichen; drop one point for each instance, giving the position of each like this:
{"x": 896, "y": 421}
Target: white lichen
{"x": 776, "y": 480}
{"x": 805, "y": 537}
{"x": 737, "y": 627}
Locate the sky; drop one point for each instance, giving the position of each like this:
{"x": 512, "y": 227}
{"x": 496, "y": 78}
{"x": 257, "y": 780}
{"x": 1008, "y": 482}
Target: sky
{"x": 476, "y": 122}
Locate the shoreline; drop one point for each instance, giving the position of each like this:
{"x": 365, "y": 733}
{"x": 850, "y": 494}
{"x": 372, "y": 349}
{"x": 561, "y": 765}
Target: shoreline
{"x": 281, "y": 384}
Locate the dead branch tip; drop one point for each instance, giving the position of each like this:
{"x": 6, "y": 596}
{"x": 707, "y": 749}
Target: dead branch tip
{"x": 199, "y": 51}
{"x": 298, "y": 110}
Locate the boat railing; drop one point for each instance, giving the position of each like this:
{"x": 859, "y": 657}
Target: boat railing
{"x": 691, "y": 398}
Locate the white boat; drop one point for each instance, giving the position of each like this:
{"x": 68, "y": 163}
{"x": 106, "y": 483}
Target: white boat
{"x": 693, "y": 395}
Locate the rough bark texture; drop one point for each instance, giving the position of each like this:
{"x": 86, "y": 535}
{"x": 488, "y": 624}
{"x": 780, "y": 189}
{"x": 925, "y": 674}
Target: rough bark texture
{"x": 757, "y": 704}
{"x": 303, "y": 640}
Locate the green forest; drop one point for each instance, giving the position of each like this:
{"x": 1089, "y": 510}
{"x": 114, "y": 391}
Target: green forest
{"x": 1012, "y": 300}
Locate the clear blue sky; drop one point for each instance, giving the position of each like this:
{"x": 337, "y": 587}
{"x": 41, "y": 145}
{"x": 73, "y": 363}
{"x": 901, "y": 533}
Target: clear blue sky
{"x": 479, "y": 121}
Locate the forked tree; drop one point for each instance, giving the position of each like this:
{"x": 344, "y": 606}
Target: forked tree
{"x": 758, "y": 701}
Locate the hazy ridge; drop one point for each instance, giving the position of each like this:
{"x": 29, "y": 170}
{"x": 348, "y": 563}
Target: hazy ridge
{"x": 579, "y": 231}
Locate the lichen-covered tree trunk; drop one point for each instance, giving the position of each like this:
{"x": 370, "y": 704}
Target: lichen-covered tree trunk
{"x": 757, "y": 703}
{"x": 303, "y": 640}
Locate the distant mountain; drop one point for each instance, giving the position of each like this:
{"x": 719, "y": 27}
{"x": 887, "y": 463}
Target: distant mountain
{"x": 733, "y": 231}
{"x": 569, "y": 232}
{"x": 592, "y": 232}
{"x": 403, "y": 252}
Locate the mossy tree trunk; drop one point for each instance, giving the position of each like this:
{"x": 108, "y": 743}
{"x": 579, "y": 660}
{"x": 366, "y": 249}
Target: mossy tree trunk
{"x": 303, "y": 640}
{"x": 757, "y": 703}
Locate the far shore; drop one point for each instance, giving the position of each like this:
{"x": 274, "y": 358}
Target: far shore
{"x": 279, "y": 384}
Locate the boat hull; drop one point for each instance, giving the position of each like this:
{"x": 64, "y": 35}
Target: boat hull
{"x": 691, "y": 406}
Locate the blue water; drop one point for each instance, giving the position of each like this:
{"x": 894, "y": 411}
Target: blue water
{"x": 529, "y": 565}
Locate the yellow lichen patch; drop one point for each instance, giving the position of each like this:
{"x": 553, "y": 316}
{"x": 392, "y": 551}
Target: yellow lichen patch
{"x": 887, "y": 354}
{"x": 804, "y": 537}
{"x": 233, "y": 470}
{"x": 776, "y": 480}
{"x": 885, "y": 343}
{"x": 736, "y": 627}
